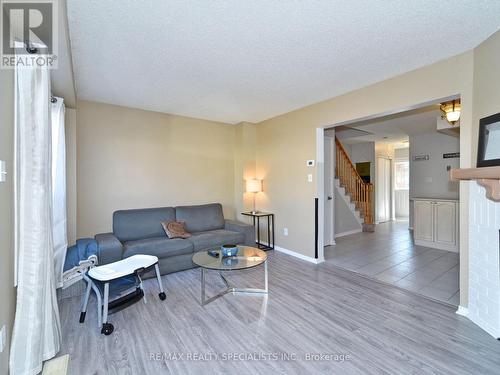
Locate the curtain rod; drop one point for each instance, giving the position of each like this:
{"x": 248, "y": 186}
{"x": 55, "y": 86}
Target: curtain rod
{"x": 32, "y": 50}
{"x": 29, "y": 49}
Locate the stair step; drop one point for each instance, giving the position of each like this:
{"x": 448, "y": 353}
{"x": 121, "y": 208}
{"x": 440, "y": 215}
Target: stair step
{"x": 351, "y": 203}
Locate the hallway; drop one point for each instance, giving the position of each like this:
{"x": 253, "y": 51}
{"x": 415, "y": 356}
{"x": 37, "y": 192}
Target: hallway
{"x": 390, "y": 256}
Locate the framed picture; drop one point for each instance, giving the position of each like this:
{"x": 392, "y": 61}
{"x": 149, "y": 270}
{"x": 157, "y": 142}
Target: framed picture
{"x": 488, "y": 152}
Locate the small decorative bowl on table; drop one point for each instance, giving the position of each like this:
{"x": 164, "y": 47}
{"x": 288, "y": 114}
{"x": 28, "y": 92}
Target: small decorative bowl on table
{"x": 229, "y": 250}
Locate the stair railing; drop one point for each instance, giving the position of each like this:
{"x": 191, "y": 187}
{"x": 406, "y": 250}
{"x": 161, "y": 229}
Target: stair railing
{"x": 360, "y": 191}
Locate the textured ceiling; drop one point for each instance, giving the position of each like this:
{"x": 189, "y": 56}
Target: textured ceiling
{"x": 246, "y": 60}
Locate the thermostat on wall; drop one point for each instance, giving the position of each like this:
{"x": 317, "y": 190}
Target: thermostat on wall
{"x": 310, "y": 163}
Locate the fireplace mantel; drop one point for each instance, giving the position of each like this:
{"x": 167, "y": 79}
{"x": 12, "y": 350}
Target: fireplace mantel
{"x": 487, "y": 177}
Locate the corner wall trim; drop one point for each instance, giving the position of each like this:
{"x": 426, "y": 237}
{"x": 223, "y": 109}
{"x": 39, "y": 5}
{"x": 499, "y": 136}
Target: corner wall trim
{"x": 298, "y": 255}
{"x": 463, "y": 311}
{"x": 348, "y": 232}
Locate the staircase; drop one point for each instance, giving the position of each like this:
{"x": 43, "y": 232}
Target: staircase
{"x": 342, "y": 194}
{"x": 359, "y": 192}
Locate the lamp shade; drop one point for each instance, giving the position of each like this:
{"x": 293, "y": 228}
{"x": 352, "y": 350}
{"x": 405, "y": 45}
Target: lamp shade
{"x": 254, "y": 186}
{"x": 451, "y": 111}
{"x": 453, "y": 116}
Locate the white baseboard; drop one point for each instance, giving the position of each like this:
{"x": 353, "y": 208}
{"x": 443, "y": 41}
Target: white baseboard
{"x": 436, "y": 245}
{"x": 348, "y": 232}
{"x": 298, "y": 255}
{"x": 463, "y": 311}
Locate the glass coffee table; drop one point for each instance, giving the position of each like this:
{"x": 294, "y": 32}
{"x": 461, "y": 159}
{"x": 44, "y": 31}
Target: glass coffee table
{"x": 247, "y": 257}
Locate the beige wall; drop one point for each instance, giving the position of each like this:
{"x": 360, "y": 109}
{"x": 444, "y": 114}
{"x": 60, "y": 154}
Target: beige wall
{"x": 287, "y": 141}
{"x": 7, "y": 291}
{"x": 129, "y": 158}
{"x": 245, "y": 139}
{"x": 486, "y": 83}
{"x": 283, "y": 146}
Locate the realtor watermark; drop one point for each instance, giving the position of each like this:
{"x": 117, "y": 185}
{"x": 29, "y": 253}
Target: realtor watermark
{"x": 248, "y": 356}
{"x": 29, "y": 33}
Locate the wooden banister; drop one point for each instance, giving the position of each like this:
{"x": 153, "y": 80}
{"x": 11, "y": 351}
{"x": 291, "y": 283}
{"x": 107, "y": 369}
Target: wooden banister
{"x": 360, "y": 191}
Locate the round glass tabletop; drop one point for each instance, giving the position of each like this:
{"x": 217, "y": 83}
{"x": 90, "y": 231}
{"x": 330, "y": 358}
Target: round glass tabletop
{"x": 247, "y": 257}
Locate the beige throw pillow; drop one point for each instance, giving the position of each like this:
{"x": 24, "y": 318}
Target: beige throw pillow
{"x": 175, "y": 229}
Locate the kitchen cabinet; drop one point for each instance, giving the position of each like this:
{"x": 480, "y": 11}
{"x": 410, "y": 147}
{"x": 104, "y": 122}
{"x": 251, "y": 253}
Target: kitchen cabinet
{"x": 435, "y": 223}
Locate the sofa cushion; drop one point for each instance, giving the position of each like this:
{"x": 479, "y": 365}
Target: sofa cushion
{"x": 201, "y": 218}
{"x": 215, "y": 238}
{"x": 131, "y": 225}
{"x": 158, "y": 246}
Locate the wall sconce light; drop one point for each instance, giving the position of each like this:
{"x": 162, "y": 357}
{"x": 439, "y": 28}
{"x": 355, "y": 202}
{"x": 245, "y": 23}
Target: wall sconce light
{"x": 451, "y": 111}
{"x": 254, "y": 186}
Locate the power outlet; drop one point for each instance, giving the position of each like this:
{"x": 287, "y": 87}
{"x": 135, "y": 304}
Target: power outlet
{"x": 3, "y": 338}
{"x": 285, "y": 231}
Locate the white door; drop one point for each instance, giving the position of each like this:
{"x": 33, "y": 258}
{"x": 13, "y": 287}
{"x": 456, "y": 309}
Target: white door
{"x": 383, "y": 189}
{"x": 329, "y": 176}
{"x": 424, "y": 221}
{"x": 402, "y": 202}
{"x": 445, "y": 223}
{"x": 401, "y": 188}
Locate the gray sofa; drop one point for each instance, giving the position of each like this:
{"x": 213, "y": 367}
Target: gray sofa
{"x": 140, "y": 232}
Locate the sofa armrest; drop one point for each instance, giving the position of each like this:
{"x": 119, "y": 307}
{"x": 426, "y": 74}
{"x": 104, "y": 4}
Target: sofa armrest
{"x": 110, "y": 248}
{"x": 247, "y": 229}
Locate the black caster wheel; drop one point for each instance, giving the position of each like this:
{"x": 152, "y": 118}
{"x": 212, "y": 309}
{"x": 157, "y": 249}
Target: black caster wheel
{"x": 162, "y": 296}
{"x": 107, "y": 329}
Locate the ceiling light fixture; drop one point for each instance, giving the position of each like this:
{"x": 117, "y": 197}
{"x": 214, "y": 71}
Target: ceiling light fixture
{"x": 451, "y": 111}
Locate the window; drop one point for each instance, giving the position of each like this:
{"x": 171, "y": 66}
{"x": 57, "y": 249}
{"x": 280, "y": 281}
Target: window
{"x": 402, "y": 175}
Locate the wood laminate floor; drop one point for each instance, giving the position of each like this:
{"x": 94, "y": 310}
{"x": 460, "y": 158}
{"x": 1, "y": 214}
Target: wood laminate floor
{"x": 389, "y": 255}
{"x": 313, "y": 315}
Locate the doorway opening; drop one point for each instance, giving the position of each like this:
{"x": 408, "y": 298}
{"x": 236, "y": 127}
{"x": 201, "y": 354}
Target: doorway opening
{"x": 406, "y": 157}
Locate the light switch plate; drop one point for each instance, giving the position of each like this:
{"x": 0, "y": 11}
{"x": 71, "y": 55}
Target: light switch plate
{"x": 3, "y": 171}
{"x": 310, "y": 178}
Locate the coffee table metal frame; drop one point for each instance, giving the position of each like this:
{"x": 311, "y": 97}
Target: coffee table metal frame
{"x": 231, "y": 288}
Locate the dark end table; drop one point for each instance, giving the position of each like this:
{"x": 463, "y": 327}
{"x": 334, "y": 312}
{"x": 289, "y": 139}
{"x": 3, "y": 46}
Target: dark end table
{"x": 256, "y": 216}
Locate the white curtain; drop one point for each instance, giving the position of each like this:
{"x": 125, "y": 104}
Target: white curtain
{"x": 37, "y": 333}
{"x": 59, "y": 223}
